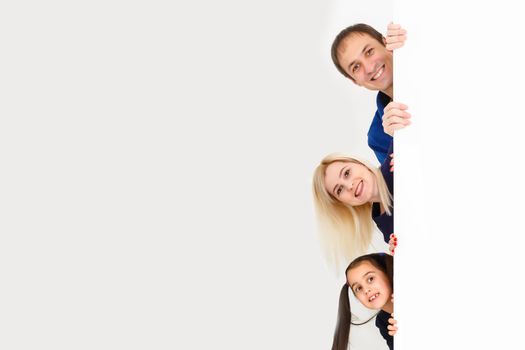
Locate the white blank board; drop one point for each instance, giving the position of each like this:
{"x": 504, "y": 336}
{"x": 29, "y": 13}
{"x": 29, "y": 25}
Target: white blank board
{"x": 459, "y": 184}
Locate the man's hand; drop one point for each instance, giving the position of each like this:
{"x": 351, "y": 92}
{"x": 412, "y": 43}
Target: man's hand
{"x": 395, "y": 37}
{"x": 395, "y": 117}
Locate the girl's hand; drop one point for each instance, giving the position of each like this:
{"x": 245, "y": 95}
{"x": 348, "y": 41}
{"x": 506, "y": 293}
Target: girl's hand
{"x": 392, "y": 247}
{"x": 392, "y": 163}
{"x": 395, "y": 37}
{"x": 392, "y": 327}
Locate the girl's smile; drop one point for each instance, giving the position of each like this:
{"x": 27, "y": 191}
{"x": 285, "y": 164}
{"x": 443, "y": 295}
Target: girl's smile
{"x": 370, "y": 285}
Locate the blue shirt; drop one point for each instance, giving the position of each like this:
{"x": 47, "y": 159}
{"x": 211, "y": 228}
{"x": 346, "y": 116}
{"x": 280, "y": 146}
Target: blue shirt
{"x": 378, "y": 140}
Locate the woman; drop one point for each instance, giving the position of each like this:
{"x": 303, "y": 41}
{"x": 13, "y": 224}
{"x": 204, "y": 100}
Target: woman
{"x": 351, "y": 197}
{"x": 370, "y": 277}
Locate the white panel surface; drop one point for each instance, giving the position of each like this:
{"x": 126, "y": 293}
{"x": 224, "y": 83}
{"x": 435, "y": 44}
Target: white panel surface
{"x": 459, "y": 180}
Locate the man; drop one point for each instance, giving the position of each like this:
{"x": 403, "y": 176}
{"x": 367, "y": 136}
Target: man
{"x": 365, "y": 56}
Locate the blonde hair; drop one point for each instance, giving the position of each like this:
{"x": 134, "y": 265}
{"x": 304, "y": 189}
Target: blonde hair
{"x": 345, "y": 231}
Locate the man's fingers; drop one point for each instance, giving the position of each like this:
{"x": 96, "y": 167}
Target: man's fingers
{"x": 393, "y": 37}
{"x": 395, "y": 112}
{"x": 390, "y": 129}
{"x": 393, "y": 26}
{"x": 391, "y": 40}
{"x": 392, "y": 120}
{"x": 392, "y": 47}
{"x": 396, "y": 32}
{"x": 397, "y": 105}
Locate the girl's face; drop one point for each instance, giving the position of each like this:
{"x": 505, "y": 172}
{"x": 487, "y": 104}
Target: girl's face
{"x": 351, "y": 183}
{"x": 370, "y": 285}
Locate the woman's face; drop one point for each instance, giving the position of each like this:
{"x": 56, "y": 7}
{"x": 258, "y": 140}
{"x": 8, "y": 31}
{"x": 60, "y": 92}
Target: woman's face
{"x": 350, "y": 183}
{"x": 370, "y": 285}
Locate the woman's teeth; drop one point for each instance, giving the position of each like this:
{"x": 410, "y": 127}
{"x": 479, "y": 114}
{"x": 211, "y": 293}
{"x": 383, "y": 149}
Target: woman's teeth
{"x": 359, "y": 189}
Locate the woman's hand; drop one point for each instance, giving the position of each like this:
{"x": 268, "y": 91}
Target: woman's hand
{"x": 392, "y": 327}
{"x": 392, "y": 247}
{"x": 395, "y": 37}
{"x": 395, "y": 117}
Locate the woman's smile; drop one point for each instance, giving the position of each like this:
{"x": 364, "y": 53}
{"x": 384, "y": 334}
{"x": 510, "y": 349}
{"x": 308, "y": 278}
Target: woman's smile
{"x": 359, "y": 189}
{"x": 350, "y": 183}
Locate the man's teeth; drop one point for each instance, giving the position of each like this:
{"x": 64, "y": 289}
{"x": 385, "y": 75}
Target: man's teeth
{"x": 378, "y": 74}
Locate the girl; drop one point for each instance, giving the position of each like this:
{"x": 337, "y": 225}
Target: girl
{"x": 370, "y": 277}
{"x": 350, "y": 196}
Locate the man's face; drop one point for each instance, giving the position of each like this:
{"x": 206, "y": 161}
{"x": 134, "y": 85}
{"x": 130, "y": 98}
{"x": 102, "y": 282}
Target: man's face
{"x": 367, "y": 61}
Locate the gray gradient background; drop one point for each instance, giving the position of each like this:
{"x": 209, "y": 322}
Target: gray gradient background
{"x": 156, "y": 165}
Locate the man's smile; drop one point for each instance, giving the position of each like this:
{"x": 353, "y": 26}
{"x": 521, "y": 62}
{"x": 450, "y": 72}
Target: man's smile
{"x": 378, "y": 73}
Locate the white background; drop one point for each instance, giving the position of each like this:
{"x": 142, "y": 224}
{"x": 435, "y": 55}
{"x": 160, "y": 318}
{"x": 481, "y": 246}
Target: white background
{"x": 156, "y": 166}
